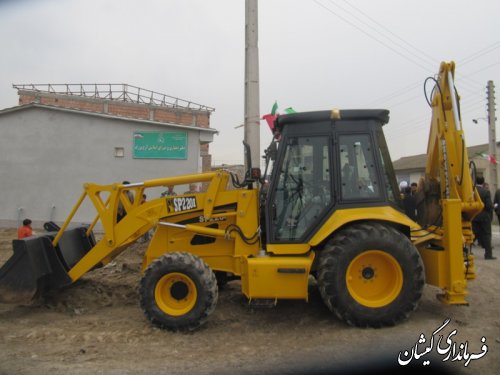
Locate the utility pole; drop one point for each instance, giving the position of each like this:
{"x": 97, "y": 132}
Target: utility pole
{"x": 252, "y": 111}
{"x": 492, "y": 149}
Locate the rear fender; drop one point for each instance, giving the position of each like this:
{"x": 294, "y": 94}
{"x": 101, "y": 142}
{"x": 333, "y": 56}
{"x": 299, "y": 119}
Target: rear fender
{"x": 343, "y": 217}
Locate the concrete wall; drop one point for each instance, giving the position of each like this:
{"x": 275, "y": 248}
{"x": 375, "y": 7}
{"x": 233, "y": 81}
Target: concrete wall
{"x": 46, "y": 156}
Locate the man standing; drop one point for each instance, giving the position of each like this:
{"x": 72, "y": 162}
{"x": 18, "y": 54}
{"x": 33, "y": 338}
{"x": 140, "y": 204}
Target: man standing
{"x": 481, "y": 224}
{"x": 496, "y": 204}
{"x": 169, "y": 192}
{"x": 410, "y": 203}
{"x": 414, "y": 188}
{"x": 121, "y": 209}
{"x": 193, "y": 188}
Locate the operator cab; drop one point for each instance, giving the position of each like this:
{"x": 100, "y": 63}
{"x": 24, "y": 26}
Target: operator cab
{"x": 326, "y": 160}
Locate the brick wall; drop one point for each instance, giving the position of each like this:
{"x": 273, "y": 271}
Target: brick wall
{"x": 132, "y": 111}
{"x": 27, "y": 99}
{"x": 204, "y": 148}
{"x": 69, "y": 103}
{"x": 203, "y": 120}
{"x": 171, "y": 115}
{"x": 61, "y": 101}
{"x": 140, "y": 111}
{"x": 206, "y": 166}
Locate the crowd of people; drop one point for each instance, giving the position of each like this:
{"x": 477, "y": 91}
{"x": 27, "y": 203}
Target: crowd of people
{"x": 409, "y": 193}
{"x": 482, "y": 222}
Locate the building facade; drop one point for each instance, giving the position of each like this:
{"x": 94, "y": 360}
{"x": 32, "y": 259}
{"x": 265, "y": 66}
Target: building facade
{"x": 412, "y": 168}
{"x": 54, "y": 142}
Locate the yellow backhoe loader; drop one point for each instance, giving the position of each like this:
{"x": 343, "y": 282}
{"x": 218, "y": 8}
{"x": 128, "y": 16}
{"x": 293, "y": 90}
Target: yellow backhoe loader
{"x": 330, "y": 209}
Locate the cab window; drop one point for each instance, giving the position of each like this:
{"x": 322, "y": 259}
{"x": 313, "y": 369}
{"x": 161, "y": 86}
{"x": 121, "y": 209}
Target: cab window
{"x": 303, "y": 191}
{"x": 359, "y": 178}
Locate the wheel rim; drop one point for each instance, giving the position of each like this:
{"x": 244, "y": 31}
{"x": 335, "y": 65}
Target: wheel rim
{"x": 175, "y": 294}
{"x": 374, "y": 278}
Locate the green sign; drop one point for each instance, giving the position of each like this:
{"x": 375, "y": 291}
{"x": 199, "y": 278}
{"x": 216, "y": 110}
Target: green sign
{"x": 160, "y": 145}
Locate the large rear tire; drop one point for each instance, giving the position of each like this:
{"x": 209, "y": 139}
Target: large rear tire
{"x": 178, "y": 292}
{"x": 371, "y": 275}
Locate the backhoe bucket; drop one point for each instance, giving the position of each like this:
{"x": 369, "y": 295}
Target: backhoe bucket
{"x": 37, "y": 266}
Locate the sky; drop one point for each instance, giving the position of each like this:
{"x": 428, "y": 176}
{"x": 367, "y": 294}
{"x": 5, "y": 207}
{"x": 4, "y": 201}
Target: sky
{"x": 313, "y": 55}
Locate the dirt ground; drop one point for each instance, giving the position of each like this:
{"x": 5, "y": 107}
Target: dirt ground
{"x": 96, "y": 326}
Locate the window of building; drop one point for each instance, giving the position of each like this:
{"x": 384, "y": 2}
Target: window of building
{"x": 119, "y": 152}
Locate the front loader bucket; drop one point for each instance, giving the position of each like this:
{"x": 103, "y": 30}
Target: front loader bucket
{"x": 36, "y": 265}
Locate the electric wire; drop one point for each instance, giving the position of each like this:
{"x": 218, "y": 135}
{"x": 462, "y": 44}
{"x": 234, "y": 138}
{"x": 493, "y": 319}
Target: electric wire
{"x": 371, "y": 36}
{"x": 399, "y": 45}
{"x": 394, "y": 99}
{"x": 480, "y": 53}
{"x": 423, "y": 53}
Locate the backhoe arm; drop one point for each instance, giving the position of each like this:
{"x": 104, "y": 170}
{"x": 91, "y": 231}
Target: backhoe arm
{"x": 447, "y": 161}
{"x": 447, "y": 200}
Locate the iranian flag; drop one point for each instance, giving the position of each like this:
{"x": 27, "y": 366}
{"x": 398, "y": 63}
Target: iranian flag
{"x": 490, "y": 158}
{"x": 271, "y": 117}
{"x": 274, "y": 110}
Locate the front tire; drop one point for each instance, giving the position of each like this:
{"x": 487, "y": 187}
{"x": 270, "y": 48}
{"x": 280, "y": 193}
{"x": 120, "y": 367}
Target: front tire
{"x": 178, "y": 292}
{"x": 371, "y": 275}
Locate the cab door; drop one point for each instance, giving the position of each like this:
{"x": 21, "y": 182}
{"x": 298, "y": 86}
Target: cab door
{"x": 301, "y": 191}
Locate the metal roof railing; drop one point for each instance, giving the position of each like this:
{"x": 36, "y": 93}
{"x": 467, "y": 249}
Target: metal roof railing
{"x": 114, "y": 91}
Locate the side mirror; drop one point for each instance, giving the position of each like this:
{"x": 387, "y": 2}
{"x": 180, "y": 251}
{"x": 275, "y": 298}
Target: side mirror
{"x": 255, "y": 174}
{"x": 271, "y": 151}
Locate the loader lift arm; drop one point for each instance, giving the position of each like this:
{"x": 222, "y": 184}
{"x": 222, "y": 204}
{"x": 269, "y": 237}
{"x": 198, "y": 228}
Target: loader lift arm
{"x": 141, "y": 216}
{"x": 60, "y": 258}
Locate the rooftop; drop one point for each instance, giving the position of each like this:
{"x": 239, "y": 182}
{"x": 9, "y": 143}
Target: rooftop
{"x": 121, "y": 92}
{"x": 419, "y": 161}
